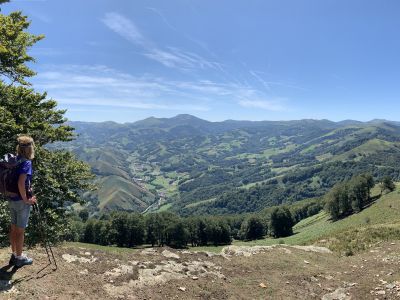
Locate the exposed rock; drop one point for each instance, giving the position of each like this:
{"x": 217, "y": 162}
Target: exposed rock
{"x": 72, "y": 258}
{"x": 338, "y": 294}
{"x": 313, "y": 249}
{"x": 120, "y": 270}
{"x": 169, "y": 254}
{"x": 84, "y": 272}
{"x": 149, "y": 251}
{"x": 244, "y": 250}
{"x": 391, "y": 286}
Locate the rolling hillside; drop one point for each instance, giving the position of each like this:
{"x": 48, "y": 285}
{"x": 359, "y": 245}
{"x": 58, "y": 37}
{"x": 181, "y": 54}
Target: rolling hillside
{"x": 357, "y": 232}
{"x": 193, "y": 166}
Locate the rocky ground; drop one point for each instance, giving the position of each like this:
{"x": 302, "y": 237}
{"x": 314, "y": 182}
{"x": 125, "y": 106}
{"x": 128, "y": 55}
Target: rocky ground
{"x": 277, "y": 272}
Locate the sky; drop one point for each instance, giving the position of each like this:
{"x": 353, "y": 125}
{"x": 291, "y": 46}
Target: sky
{"x": 125, "y": 60}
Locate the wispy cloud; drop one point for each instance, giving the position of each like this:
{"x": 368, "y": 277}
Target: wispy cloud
{"x": 171, "y": 57}
{"x": 100, "y": 86}
{"x": 125, "y": 28}
{"x": 263, "y": 104}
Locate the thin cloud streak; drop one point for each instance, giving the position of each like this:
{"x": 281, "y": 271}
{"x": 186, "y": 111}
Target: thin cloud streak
{"x": 263, "y": 104}
{"x": 103, "y": 86}
{"x": 170, "y": 57}
{"x": 125, "y": 28}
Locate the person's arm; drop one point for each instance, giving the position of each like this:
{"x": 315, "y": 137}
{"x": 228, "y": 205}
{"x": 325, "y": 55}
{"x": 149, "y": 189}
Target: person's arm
{"x": 22, "y": 190}
{"x": 21, "y": 187}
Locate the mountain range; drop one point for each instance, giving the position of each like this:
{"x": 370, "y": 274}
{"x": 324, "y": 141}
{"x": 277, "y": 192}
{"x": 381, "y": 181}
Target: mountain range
{"x": 193, "y": 166}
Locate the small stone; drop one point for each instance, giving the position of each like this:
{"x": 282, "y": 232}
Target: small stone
{"x": 352, "y": 284}
{"x": 262, "y": 285}
{"x": 195, "y": 277}
{"x": 380, "y": 293}
{"x": 306, "y": 262}
{"x": 383, "y": 281}
{"x": 391, "y": 286}
{"x": 183, "y": 289}
{"x": 313, "y": 279}
{"x": 287, "y": 282}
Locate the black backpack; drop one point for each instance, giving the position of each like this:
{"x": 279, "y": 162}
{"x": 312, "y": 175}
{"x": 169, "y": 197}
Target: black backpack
{"x": 9, "y": 173}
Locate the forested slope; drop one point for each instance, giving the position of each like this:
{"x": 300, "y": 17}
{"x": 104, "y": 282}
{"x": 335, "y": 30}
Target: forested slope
{"x": 234, "y": 166}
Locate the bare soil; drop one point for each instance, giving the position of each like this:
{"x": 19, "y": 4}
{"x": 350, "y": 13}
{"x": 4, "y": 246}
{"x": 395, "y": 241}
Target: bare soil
{"x": 278, "y": 272}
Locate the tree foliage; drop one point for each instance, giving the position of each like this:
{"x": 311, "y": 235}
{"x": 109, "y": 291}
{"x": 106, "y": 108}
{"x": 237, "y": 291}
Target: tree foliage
{"x": 253, "y": 228}
{"x": 14, "y": 44}
{"x": 59, "y": 177}
{"x": 387, "y": 184}
{"x": 281, "y": 222}
{"x": 349, "y": 196}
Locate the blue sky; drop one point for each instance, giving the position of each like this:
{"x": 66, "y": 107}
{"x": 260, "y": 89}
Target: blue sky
{"x": 255, "y": 60}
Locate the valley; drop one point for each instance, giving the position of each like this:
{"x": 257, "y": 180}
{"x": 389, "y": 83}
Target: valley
{"x": 192, "y": 166}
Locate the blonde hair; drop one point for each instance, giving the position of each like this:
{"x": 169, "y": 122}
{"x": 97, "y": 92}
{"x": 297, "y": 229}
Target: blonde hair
{"x": 26, "y": 147}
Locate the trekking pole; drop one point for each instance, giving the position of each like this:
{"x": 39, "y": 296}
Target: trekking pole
{"x": 43, "y": 235}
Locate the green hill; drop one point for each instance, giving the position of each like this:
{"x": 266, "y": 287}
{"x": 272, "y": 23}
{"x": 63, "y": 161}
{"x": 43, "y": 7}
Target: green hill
{"x": 117, "y": 193}
{"x": 243, "y": 166}
{"x": 380, "y": 221}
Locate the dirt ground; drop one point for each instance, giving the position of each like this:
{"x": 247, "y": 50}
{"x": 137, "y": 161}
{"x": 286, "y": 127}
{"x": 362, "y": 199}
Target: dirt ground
{"x": 279, "y": 272}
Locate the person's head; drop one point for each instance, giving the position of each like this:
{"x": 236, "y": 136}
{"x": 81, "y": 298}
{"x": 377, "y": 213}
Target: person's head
{"x": 26, "y": 147}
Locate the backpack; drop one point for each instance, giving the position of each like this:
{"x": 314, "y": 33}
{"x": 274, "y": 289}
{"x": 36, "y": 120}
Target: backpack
{"x": 9, "y": 173}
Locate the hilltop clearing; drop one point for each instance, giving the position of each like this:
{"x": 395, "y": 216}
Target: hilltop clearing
{"x": 278, "y": 272}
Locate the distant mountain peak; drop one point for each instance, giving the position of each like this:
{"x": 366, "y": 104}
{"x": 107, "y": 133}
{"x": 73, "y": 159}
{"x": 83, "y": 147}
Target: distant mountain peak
{"x": 186, "y": 117}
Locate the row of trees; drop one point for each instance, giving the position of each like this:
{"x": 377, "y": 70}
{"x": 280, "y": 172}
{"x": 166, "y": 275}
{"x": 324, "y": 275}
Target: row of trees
{"x": 351, "y": 196}
{"x": 133, "y": 229}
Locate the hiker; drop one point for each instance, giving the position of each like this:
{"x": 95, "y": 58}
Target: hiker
{"x": 20, "y": 203}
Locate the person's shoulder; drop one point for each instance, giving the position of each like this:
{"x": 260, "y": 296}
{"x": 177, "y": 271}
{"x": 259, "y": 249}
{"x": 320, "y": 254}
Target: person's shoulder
{"x": 25, "y": 165}
{"x": 26, "y": 162}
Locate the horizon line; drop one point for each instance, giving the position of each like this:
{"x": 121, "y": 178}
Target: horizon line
{"x": 235, "y": 120}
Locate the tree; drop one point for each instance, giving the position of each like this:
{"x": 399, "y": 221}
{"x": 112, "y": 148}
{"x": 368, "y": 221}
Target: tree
{"x": 337, "y": 201}
{"x": 151, "y": 223}
{"x": 88, "y": 234}
{"x": 387, "y": 184}
{"x": 84, "y": 215}
{"x": 192, "y": 226}
{"x": 120, "y": 228}
{"x": 281, "y": 222}
{"x": 252, "y": 228}
{"x": 59, "y": 177}
{"x": 178, "y": 234}
{"x": 202, "y": 232}
{"x": 359, "y": 192}
{"x": 14, "y": 43}
{"x": 218, "y": 232}
{"x": 136, "y": 230}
